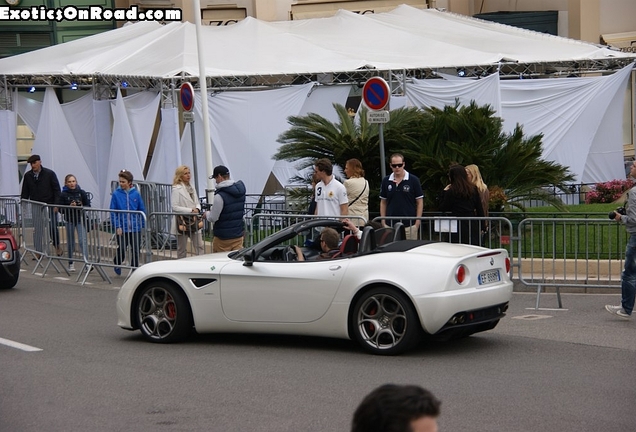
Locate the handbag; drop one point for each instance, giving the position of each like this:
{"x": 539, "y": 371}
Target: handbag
{"x": 188, "y": 224}
{"x": 358, "y": 197}
{"x": 445, "y": 225}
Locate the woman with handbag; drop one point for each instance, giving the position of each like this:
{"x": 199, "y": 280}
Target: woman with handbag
{"x": 185, "y": 200}
{"x": 357, "y": 192}
{"x": 461, "y": 198}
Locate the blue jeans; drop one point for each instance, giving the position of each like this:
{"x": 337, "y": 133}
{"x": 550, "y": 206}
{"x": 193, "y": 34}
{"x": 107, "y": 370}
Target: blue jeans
{"x": 628, "y": 282}
{"x": 70, "y": 239}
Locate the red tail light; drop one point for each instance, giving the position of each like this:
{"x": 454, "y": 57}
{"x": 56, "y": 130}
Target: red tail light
{"x": 3, "y": 246}
{"x": 507, "y": 264}
{"x": 460, "y": 274}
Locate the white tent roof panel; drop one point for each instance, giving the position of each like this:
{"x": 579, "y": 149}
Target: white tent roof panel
{"x": 405, "y": 38}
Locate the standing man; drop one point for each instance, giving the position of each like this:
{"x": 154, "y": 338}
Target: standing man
{"x": 227, "y": 212}
{"x": 41, "y": 184}
{"x": 401, "y": 195}
{"x": 331, "y": 195}
{"x": 628, "y": 280}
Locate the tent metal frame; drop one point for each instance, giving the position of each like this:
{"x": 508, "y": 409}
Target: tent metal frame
{"x": 105, "y": 86}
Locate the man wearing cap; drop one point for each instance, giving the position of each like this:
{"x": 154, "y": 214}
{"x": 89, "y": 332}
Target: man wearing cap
{"x": 41, "y": 184}
{"x": 227, "y": 211}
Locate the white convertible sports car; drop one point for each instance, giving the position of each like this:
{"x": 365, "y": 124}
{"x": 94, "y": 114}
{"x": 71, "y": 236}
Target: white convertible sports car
{"x": 386, "y": 293}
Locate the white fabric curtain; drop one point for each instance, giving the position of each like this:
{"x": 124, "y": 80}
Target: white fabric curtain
{"x": 167, "y": 154}
{"x": 320, "y": 101}
{"x": 58, "y": 147}
{"x": 580, "y": 119}
{"x": 133, "y": 122}
{"x": 103, "y": 136}
{"x": 439, "y": 93}
{"x": 244, "y": 127}
{"x": 9, "y": 179}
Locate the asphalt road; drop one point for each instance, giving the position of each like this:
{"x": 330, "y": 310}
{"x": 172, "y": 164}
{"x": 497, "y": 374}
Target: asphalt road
{"x": 545, "y": 370}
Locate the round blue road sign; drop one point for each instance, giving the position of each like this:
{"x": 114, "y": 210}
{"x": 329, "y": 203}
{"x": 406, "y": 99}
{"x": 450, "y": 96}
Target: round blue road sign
{"x": 186, "y": 93}
{"x": 376, "y": 93}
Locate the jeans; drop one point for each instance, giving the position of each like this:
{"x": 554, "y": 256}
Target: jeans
{"x": 628, "y": 282}
{"x": 132, "y": 239}
{"x": 70, "y": 239}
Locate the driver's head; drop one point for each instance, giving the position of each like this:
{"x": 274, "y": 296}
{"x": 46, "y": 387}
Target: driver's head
{"x": 329, "y": 239}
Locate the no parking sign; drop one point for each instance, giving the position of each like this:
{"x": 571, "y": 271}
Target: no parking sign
{"x": 376, "y": 93}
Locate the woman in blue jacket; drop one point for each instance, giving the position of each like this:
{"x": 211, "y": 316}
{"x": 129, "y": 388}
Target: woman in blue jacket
{"x": 127, "y": 226}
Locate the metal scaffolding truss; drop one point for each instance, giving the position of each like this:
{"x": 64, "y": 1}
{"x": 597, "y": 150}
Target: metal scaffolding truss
{"x": 105, "y": 86}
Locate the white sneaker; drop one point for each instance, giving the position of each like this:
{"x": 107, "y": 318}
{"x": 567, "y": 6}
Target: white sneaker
{"x": 71, "y": 267}
{"x": 618, "y": 311}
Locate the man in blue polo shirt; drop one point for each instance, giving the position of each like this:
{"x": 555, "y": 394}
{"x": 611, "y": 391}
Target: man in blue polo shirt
{"x": 401, "y": 195}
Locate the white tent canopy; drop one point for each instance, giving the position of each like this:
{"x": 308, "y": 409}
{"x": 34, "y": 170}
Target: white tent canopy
{"x": 113, "y": 134}
{"x": 405, "y": 38}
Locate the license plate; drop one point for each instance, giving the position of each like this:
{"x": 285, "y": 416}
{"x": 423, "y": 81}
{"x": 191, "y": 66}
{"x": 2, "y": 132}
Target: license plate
{"x": 489, "y": 276}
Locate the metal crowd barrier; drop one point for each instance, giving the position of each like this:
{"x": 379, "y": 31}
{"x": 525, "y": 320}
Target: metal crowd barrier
{"x": 164, "y": 243}
{"x": 545, "y": 252}
{"x": 581, "y": 253}
{"x": 490, "y": 232}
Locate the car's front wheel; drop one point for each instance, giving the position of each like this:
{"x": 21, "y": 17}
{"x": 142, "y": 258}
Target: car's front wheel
{"x": 384, "y": 322}
{"x": 163, "y": 313}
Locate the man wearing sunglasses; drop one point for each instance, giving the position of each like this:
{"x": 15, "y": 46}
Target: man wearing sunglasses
{"x": 401, "y": 195}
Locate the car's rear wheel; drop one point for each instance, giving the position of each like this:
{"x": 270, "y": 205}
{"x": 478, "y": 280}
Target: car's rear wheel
{"x": 384, "y": 322}
{"x": 163, "y": 313}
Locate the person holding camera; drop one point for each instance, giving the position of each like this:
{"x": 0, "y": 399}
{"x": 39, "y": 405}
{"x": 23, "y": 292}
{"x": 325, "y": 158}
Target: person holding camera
{"x": 628, "y": 279}
{"x": 73, "y": 198}
{"x": 185, "y": 200}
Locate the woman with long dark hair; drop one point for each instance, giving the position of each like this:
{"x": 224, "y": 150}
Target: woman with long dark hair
{"x": 461, "y": 198}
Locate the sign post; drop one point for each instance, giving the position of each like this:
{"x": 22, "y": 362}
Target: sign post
{"x": 186, "y": 95}
{"x": 376, "y": 93}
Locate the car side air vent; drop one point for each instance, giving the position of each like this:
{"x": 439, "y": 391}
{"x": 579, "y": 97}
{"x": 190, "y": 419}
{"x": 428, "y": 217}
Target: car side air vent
{"x": 199, "y": 283}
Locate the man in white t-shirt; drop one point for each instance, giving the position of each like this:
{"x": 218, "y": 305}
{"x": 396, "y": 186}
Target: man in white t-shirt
{"x": 331, "y": 195}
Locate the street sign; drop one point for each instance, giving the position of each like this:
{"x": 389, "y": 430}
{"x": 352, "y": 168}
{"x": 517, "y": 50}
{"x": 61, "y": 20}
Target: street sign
{"x": 188, "y": 116}
{"x": 376, "y": 93}
{"x": 186, "y": 93}
{"x": 378, "y": 116}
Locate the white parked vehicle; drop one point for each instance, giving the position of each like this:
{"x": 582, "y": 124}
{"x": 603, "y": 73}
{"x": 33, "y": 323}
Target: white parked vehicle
{"x": 387, "y": 297}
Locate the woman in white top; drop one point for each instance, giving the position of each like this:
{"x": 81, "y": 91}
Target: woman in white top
{"x": 185, "y": 200}
{"x": 357, "y": 192}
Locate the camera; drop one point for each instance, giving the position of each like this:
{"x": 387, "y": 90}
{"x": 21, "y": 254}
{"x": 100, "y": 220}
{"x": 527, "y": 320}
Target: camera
{"x": 205, "y": 206}
{"x": 620, "y": 210}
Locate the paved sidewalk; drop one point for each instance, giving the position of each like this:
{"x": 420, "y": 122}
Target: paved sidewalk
{"x": 582, "y": 320}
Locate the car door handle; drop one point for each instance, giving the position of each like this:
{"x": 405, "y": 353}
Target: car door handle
{"x": 335, "y": 267}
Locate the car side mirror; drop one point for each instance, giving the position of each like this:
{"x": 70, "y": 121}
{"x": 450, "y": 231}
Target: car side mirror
{"x": 249, "y": 258}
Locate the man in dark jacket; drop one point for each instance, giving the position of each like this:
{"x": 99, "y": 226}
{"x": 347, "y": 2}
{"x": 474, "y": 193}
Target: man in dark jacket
{"x": 227, "y": 212}
{"x": 41, "y": 184}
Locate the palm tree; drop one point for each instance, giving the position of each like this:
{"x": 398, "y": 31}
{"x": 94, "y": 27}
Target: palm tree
{"x": 431, "y": 140}
{"x": 312, "y": 137}
{"x": 473, "y": 134}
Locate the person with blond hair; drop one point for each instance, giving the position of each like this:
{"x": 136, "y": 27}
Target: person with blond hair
{"x": 185, "y": 200}
{"x": 474, "y": 176}
{"x": 357, "y": 191}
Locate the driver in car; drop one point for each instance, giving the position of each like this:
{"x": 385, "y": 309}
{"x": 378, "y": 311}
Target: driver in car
{"x": 329, "y": 240}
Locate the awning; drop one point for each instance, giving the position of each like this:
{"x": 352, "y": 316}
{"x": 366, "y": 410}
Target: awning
{"x": 626, "y": 41}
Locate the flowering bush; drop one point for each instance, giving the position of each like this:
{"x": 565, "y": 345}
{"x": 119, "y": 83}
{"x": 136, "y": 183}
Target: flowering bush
{"x": 608, "y": 192}
{"x": 498, "y": 198}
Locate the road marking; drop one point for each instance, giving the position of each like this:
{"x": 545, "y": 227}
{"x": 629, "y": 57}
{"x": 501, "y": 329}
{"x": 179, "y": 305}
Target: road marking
{"x": 18, "y": 345}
